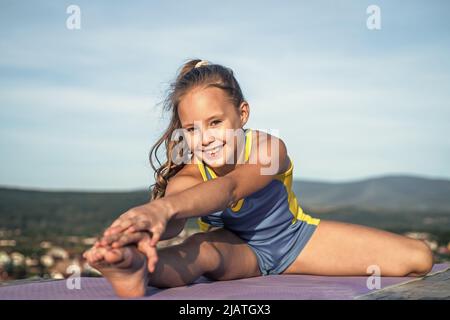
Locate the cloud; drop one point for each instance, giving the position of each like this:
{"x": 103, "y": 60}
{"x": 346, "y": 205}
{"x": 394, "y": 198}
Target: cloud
{"x": 349, "y": 102}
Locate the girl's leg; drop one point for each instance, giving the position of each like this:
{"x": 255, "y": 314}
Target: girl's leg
{"x": 344, "y": 249}
{"x": 217, "y": 254}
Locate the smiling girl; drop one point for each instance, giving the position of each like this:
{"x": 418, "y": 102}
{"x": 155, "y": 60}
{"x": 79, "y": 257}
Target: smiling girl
{"x": 238, "y": 183}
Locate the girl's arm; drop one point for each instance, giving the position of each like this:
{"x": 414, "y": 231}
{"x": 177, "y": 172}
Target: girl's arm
{"x": 210, "y": 196}
{"x": 174, "y": 225}
{"x": 174, "y": 186}
{"x": 218, "y": 194}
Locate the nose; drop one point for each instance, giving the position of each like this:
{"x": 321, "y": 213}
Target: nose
{"x": 207, "y": 138}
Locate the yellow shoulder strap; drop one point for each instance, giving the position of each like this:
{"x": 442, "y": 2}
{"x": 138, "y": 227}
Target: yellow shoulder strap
{"x": 248, "y": 144}
{"x": 201, "y": 168}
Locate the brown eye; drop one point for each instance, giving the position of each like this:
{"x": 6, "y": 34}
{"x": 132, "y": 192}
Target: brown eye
{"x": 216, "y": 122}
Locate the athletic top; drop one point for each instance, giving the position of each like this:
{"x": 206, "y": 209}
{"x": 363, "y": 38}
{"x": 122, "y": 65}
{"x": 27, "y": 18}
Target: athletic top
{"x": 264, "y": 215}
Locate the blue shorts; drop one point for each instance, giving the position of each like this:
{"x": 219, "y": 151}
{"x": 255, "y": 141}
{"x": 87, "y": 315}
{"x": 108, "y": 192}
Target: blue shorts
{"x": 276, "y": 256}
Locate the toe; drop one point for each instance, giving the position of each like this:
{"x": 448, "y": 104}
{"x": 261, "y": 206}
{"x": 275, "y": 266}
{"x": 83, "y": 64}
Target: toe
{"x": 114, "y": 255}
{"x": 91, "y": 258}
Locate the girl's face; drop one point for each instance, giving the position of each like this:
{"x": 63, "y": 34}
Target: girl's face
{"x": 212, "y": 124}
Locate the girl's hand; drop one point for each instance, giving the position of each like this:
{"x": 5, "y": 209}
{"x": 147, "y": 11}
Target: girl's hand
{"x": 140, "y": 239}
{"x": 150, "y": 218}
{"x": 143, "y": 226}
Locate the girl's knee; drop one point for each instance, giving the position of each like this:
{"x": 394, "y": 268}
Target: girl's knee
{"x": 183, "y": 263}
{"x": 203, "y": 244}
{"x": 422, "y": 259}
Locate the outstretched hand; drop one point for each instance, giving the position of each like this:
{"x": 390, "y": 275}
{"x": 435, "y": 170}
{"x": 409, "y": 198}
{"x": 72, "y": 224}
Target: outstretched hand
{"x": 143, "y": 226}
{"x": 151, "y": 217}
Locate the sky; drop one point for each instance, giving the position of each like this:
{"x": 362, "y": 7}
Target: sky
{"x": 79, "y": 108}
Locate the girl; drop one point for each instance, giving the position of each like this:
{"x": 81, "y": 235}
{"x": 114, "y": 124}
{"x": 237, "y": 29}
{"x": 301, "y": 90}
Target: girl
{"x": 238, "y": 182}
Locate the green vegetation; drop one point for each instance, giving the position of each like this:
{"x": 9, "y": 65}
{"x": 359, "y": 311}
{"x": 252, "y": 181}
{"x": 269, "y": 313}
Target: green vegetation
{"x": 68, "y": 219}
{"x": 42, "y": 215}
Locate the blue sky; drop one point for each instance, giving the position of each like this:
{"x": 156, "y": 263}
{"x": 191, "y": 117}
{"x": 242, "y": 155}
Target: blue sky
{"x": 78, "y": 108}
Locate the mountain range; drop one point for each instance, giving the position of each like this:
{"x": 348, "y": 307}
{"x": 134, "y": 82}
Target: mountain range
{"x": 396, "y": 202}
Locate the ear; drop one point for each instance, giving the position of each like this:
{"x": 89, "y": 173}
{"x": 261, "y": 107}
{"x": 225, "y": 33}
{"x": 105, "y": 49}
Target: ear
{"x": 244, "y": 112}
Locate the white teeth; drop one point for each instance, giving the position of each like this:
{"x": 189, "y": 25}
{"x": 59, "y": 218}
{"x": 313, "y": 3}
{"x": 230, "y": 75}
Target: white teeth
{"x": 213, "y": 152}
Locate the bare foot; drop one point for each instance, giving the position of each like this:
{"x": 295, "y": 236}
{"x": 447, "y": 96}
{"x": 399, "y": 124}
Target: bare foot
{"x": 125, "y": 268}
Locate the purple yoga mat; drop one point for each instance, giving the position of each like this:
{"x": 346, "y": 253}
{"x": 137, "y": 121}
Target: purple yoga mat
{"x": 269, "y": 287}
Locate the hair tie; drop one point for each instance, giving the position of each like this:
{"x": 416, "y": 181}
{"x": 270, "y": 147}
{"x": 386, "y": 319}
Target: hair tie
{"x": 201, "y": 63}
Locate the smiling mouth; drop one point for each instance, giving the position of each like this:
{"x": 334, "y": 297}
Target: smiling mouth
{"x": 213, "y": 151}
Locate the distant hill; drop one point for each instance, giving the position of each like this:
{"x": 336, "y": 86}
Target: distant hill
{"x": 65, "y": 213}
{"x": 391, "y": 202}
{"x": 385, "y": 193}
